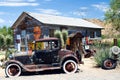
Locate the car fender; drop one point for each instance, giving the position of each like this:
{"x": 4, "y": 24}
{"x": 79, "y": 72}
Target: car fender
{"x": 14, "y": 61}
{"x": 68, "y": 57}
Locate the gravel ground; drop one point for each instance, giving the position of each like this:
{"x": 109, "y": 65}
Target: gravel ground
{"x": 88, "y": 71}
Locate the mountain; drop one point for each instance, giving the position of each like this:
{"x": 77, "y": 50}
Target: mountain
{"x": 108, "y": 31}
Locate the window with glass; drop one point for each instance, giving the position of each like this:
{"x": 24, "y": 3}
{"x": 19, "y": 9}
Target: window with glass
{"x": 47, "y": 45}
{"x": 51, "y": 32}
{"x": 92, "y": 34}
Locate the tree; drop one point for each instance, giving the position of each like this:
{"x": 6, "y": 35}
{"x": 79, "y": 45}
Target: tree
{"x": 9, "y": 31}
{"x": 8, "y": 40}
{"x": 3, "y": 30}
{"x": 113, "y": 14}
{"x": 6, "y": 31}
{"x": 2, "y": 41}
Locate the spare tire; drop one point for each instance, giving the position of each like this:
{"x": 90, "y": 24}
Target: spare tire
{"x": 109, "y": 64}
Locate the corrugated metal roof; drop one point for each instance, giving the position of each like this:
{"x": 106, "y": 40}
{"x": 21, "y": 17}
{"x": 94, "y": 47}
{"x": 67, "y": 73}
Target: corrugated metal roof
{"x": 59, "y": 20}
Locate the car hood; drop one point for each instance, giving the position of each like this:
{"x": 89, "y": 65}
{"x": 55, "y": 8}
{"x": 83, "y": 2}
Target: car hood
{"x": 64, "y": 52}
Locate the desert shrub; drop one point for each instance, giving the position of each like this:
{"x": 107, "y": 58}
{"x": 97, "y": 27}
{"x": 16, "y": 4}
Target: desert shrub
{"x": 2, "y": 55}
{"x": 101, "y": 55}
{"x": 97, "y": 45}
{"x": 118, "y": 42}
{"x": 103, "y": 36}
{"x": 2, "y": 40}
{"x": 9, "y": 51}
{"x": 9, "y": 40}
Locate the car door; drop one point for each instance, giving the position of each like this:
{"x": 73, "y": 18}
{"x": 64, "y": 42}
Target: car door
{"x": 43, "y": 52}
{"x": 50, "y": 54}
{"x": 54, "y": 52}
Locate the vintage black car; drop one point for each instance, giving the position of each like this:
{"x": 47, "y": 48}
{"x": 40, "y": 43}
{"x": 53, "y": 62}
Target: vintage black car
{"x": 47, "y": 55}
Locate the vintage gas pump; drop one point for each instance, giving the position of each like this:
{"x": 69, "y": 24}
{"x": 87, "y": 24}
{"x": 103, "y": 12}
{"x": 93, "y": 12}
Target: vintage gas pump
{"x": 18, "y": 41}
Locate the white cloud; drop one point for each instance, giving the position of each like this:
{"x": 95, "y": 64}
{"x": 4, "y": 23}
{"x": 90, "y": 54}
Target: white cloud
{"x": 10, "y": 21}
{"x": 82, "y": 11}
{"x": 48, "y": 0}
{"x": 83, "y": 8}
{"x": 101, "y": 6}
{"x": 31, "y": 0}
{"x": 18, "y": 3}
{"x": 2, "y": 21}
{"x": 79, "y": 13}
{"x": 1, "y": 13}
{"x": 49, "y": 11}
{"x": 14, "y": 0}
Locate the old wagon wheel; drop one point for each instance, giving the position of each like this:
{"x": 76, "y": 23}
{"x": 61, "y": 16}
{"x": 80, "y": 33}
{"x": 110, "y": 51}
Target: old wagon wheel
{"x": 109, "y": 64}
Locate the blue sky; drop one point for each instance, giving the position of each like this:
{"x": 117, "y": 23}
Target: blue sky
{"x": 10, "y": 10}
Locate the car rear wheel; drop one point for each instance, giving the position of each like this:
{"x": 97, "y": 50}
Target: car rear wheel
{"x": 13, "y": 70}
{"x": 70, "y": 66}
{"x": 109, "y": 64}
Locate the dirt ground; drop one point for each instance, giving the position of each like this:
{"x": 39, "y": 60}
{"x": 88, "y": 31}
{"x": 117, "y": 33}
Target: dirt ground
{"x": 88, "y": 71}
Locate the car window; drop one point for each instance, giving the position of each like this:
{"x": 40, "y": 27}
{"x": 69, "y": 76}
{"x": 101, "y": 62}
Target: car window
{"x": 55, "y": 44}
{"x": 43, "y": 45}
{"x": 39, "y": 46}
{"x": 47, "y": 45}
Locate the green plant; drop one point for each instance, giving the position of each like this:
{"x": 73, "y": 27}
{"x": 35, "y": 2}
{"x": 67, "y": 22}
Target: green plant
{"x": 97, "y": 45}
{"x": 9, "y": 40}
{"x": 58, "y": 35}
{"x": 9, "y": 52}
{"x": 103, "y": 36}
{"x": 112, "y": 15}
{"x": 65, "y": 35}
{"x": 101, "y": 55}
{"x": 2, "y": 40}
{"x": 118, "y": 42}
{"x": 62, "y": 36}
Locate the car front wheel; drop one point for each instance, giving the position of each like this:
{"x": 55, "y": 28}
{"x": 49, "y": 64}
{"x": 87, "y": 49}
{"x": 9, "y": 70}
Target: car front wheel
{"x": 13, "y": 70}
{"x": 70, "y": 66}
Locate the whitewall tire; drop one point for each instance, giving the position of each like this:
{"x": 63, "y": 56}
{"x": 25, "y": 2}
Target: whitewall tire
{"x": 70, "y": 66}
{"x": 13, "y": 70}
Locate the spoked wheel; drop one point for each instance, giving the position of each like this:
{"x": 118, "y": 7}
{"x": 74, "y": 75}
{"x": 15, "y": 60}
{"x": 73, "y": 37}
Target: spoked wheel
{"x": 13, "y": 70}
{"x": 70, "y": 66}
{"x": 109, "y": 64}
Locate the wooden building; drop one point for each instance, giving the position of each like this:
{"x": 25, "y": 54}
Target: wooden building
{"x": 32, "y": 26}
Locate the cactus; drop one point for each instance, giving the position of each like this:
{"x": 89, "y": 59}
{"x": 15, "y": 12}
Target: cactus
{"x": 58, "y": 35}
{"x": 65, "y": 35}
{"x": 62, "y": 36}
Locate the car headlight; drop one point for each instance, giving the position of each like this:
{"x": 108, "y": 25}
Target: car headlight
{"x": 10, "y": 56}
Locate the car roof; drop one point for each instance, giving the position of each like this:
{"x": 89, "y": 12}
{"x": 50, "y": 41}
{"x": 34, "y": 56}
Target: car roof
{"x": 47, "y": 39}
